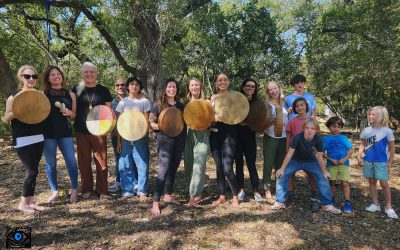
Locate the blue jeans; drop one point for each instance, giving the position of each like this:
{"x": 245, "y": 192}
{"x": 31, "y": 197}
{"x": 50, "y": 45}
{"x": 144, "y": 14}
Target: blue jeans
{"x": 66, "y": 146}
{"x": 312, "y": 168}
{"x": 117, "y": 156}
{"x": 134, "y": 166}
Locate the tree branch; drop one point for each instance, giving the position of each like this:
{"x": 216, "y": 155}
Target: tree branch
{"x": 193, "y": 6}
{"x": 58, "y": 29}
{"x": 96, "y": 23}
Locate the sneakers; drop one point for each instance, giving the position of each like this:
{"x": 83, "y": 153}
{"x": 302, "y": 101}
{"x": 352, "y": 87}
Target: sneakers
{"x": 391, "y": 213}
{"x": 116, "y": 187}
{"x": 373, "y": 208}
{"x": 258, "y": 198}
{"x": 331, "y": 209}
{"x": 277, "y": 206}
{"x": 241, "y": 196}
{"x": 347, "y": 207}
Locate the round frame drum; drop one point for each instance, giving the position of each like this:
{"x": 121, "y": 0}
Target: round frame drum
{"x": 170, "y": 121}
{"x": 198, "y": 114}
{"x": 31, "y": 106}
{"x": 231, "y": 107}
{"x": 260, "y": 116}
{"x": 132, "y": 125}
{"x": 101, "y": 120}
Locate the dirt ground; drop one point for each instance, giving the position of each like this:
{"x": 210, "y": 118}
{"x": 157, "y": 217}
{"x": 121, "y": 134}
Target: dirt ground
{"x": 116, "y": 224}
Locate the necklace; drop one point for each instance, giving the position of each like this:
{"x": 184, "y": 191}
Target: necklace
{"x": 91, "y": 99}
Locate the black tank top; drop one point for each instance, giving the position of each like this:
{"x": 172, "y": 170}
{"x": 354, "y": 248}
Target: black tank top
{"x": 57, "y": 125}
{"x": 20, "y": 129}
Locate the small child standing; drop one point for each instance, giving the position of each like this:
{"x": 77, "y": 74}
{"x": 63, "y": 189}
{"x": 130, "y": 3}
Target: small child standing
{"x": 377, "y": 142}
{"x": 338, "y": 150}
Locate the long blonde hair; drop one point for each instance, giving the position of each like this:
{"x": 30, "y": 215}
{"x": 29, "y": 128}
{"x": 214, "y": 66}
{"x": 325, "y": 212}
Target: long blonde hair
{"x": 383, "y": 115}
{"x": 19, "y": 73}
{"x": 269, "y": 98}
{"x": 189, "y": 96}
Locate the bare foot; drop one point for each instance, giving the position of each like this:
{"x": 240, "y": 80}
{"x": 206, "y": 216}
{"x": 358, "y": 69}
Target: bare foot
{"x": 235, "y": 202}
{"x": 143, "y": 198}
{"x": 193, "y": 203}
{"x": 74, "y": 196}
{"x": 105, "y": 197}
{"x": 87, "y": 195}
{"x": 37, "y": 207}
{"x": 269, "y": 198}
{"x": 124, "y": 198}
{"x": 26, "y": 209}
{"x": 155, "y": 209}
{"x": 198, "y": 199}
{"x": 168, "y": 198}
{"x": 53, "y": 197}
{"x": 220, "y": 200}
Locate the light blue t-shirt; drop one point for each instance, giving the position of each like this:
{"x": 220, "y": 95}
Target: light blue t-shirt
{"x": 377, "y": 143}
{"x": 336, "y": 146}
{"x": 310, "y": 101}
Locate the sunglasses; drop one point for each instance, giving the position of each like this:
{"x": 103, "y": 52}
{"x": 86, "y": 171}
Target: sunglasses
{"x": 119, "y": 85}
{"x": 27, "y": 76}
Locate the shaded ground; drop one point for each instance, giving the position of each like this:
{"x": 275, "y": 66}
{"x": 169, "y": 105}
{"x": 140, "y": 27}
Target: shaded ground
{"x": 128, "y": 224}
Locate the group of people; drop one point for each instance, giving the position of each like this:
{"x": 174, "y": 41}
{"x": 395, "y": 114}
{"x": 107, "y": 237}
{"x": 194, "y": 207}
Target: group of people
{"x": 299, "y": 146}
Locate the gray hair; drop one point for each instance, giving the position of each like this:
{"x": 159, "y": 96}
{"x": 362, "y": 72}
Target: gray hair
{"x": 87, "y": 65}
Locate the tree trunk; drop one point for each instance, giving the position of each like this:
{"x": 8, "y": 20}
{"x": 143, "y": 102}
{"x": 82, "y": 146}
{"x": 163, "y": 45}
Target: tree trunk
{"x": 149, "y": 67}
{"x": 7, "y": 83}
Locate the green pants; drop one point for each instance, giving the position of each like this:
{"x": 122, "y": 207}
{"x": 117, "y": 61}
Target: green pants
{"x": 274, "y": 154}
{"x": 196, "y": 151}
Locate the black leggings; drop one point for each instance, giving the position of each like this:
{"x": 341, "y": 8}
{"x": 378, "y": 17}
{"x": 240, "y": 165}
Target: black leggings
{"x": 223, "y": 144}
{"x": 30, "y": 156}
{"x": 247, "y": 145}
{"x": 169, "y": 151}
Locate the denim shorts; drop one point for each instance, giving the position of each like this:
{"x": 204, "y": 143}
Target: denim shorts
{"x": 376, "y": 170}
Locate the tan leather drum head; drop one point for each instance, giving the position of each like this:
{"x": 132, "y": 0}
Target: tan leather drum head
{"x": 278, "y": 122}
{"x": 101, "y": 120}
{"x": 170, "y": 121}
{"x": 198, "y": 114}
{"x": 31, "y": 106}
{"x": 260, "y": 116}
{"x": 231, "y": 107}
{"x": 132, "y": 125}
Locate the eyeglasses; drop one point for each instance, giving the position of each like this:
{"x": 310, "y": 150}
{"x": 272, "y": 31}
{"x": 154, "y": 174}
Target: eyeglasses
{"x": 119, "y": 85}
{"x": 250, "y": 86}
{"x": 27, "y": 76}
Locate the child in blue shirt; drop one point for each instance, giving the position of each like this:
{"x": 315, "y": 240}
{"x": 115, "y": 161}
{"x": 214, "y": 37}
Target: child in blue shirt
{"x": 377, "y": 142}
{"x": 338, "y": 150}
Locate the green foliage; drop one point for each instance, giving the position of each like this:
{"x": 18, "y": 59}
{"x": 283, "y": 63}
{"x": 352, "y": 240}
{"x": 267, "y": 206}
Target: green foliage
{"x": 353, "y": 54}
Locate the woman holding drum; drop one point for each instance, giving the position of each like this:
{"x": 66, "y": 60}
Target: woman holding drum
{"x": 197, "y": 141}
{"x": 27, "y": 134}
{"x": 58, "y": 131}
{"x": 169, "y": 147}
{"x": 133, "y": 163}
{"x": 247, "y": 145}
{"x": 223, "y": 141}
{"x": 90, "y": 94}
{"x": 274, "y": 142}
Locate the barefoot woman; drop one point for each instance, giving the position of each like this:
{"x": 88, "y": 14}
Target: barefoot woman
{"x": 169, "y": 149}
{"x": 28, "y": 140}
{"x": 223, "y": 146}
